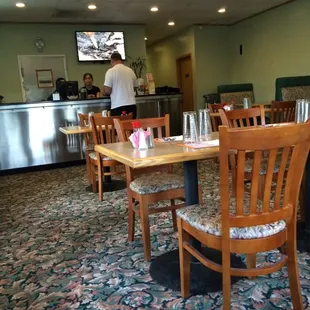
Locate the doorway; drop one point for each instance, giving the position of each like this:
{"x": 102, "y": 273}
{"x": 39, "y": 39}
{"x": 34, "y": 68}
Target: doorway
{"x": 185, "y": 81}
{"x": 30, "y": 65}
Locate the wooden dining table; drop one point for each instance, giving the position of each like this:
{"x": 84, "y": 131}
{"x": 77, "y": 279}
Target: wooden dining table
{"x": 169, "y": 153}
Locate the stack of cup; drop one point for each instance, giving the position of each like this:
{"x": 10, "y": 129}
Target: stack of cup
{"x": 302, "y": 112}
{"x": 192, "y": 133}
{"x": 205, "y": 128}
{"x": 247, "y": 104}
{"x": 190, "y": 130}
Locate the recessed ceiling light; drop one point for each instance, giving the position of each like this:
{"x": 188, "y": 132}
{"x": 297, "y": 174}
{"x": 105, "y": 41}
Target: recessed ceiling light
{"x": 154, "y": 9}
{"x": 222, "y": 10}
{"x": 20, "y": 4}
{"x": 171, "y": 23}
{"x": 92, "y": 7}
{"x": 145, "y": 38}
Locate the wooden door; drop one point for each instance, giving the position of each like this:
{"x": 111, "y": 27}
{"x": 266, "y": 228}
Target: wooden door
{"x": 185, "y": 81}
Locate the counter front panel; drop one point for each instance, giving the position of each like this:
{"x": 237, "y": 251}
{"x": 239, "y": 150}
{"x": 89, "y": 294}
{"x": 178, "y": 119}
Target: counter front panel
{"x": 30, "y": 133}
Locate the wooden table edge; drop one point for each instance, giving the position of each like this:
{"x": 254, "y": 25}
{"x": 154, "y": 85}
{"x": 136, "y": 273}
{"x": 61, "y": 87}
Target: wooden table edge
{"x": 154, "y": 160}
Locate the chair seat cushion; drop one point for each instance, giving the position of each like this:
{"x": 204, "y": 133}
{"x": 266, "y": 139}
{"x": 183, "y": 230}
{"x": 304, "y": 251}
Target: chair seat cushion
{"x": 156, "y": 182}
{"x": 93, "y": 156}
{"x": 208, "y": 220}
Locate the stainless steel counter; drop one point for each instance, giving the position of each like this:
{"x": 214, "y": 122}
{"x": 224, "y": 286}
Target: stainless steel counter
{"x": 29, "y": 133}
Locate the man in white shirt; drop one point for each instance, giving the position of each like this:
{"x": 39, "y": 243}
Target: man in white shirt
{"x": 119, "y": 83}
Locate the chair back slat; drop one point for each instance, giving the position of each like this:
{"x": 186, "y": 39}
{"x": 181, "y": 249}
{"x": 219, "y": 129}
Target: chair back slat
{"x": 282, "y": 111}
{"x": 103, "y": 128}
{"x": 158, "y": 124}
{"x": 268, "y": 178}
{"x": 292, "y": 143}
{"x": 243, "y": 117}
{"x": 255, "y": 181}
{"x": 215, "y": 120}
{"x": 240, "y": 183}
{"x": 280, "y": 179}
{"x": 84, "y": 122}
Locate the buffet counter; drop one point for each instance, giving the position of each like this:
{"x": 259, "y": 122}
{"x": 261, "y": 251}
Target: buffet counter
{"x": 30, "y": 136}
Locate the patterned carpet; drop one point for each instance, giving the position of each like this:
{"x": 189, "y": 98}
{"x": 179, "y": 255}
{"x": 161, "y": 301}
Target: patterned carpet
{"x": 60, "y": 248}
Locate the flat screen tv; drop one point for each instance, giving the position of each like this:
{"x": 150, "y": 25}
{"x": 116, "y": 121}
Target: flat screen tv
{"x": 98, "y": 46}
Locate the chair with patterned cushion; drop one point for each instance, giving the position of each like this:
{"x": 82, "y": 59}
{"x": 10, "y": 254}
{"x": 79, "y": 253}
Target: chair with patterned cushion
{"x": 295, "y": 92}
{"x": 282, "y": 111}
{"x": 246, "y": 118}
{"x": 245, "y": 225}
{"x": 88, "y": 141}
{"x": 150, "y": 185}
{"x": 215, "y": 120}
{"x": 103, "y": 131}
{"x": 235, "y": 93}
{"x": 237, "y": 97}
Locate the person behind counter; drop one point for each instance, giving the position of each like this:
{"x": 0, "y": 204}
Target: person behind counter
{"x": 119, "y": 83}
{"x": 59, "y": 82}
{"x": 91, "y": 90}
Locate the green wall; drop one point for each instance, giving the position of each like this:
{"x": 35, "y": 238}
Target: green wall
{"x": 212, "y": 60}
{"x": 19, "y": 39}
{"x": 275, "y": 44}
{"x": 161, "y": 57}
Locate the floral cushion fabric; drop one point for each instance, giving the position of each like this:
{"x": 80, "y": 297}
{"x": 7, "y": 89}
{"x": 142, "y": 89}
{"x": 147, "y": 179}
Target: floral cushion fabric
{"x": 93, "y": 156}
{"x": 295, "y": 93}
{"x": 208, "y": 220}
{"x": 263, "y": 168}
{"x": 237, "y": 97}
{"x": 156, "y": 182}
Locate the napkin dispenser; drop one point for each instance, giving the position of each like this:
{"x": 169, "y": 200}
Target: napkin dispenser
{"x": 142, "y": 139}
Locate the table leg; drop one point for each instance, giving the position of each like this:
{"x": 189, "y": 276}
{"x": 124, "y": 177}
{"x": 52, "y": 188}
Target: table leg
{"x": 109, "y": 185}
{"x": 191, "y": 191}
{"x": 165, "y": 269}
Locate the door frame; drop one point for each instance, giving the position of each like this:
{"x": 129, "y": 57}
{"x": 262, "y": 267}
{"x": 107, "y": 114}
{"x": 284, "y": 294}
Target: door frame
{"x": 178, "y": 73}
{"x": 21, "y": 78}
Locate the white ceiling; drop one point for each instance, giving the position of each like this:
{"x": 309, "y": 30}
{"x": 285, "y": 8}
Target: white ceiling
{"x": 182, "y": 12}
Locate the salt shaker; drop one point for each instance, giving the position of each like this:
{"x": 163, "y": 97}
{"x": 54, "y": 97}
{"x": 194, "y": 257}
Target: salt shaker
{"x": 150, "y": 138}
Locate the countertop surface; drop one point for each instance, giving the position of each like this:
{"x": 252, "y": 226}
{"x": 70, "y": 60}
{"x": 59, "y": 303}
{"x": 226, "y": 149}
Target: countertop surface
{"x": 94, "y": 100}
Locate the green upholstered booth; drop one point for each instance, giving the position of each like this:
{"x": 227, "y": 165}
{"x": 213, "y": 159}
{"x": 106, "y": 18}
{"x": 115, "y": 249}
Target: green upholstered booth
{"x": 236, "y": 92}
{"x": 292, "y": 88}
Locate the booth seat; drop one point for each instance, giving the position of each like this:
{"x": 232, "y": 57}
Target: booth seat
{"x": 292, "y": 88}
{"x": 236, "y": 93}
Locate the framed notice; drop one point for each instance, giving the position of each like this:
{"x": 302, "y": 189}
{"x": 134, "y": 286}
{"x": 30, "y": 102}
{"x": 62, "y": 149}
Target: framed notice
{"x": 45, "y": 78}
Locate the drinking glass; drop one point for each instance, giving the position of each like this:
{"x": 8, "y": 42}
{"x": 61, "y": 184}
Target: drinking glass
{"x": 302, "y": 111}
{"x": 205, "y": 128}
{"x": 247, "y": 103}
{"x": 190, "y": 131}
{"x": 307, "y": 110}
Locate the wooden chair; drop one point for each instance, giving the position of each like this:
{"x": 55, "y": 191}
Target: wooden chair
{"x": 103, "y": 131}
{"x": 246, "y": 118}
{"x": 151, "y": 187}
{"x": 282, "y": 111}
{"x": 243, "y": 117}
{"x": 88, "y": 142}
{"x": 215, "y": 120}
{"x": 247, "y": 225}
